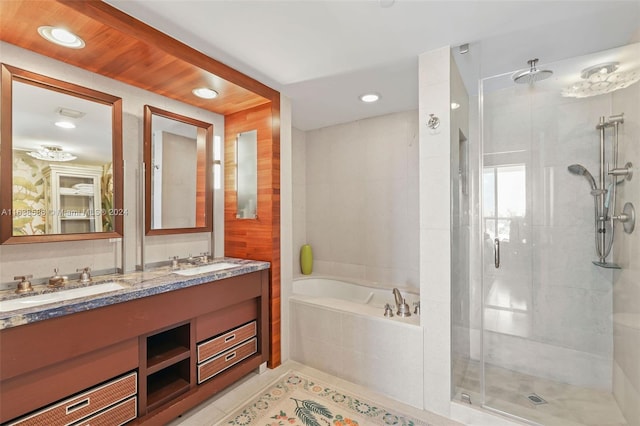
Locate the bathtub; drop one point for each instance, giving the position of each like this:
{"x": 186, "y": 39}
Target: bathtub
{"x": 338, "y": 326}
{"x": 352, "y": 296}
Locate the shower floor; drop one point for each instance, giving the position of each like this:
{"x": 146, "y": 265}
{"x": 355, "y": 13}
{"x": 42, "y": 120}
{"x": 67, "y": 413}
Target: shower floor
{"x": 566, "y": 405}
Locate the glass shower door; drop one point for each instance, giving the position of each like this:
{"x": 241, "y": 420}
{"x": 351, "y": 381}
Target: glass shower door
{"x": 547, "y": 330}
{"x": 507, "y": 275}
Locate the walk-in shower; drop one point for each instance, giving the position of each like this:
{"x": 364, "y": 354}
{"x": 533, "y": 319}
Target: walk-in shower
{"x": 604, "y": 198}
{"x": 542, "y": 328}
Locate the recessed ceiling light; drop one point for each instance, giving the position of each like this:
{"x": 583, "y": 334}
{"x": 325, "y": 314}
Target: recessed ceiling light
{"x": 65, "y": 124}
{"x": 61, "y": 36}
{"x": 205, "y": 93}
{"x": 369, "y": 97}
{"x": 455, "y": 105}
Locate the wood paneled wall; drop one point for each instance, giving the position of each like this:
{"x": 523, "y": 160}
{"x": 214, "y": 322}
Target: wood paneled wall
{"x": 257, "y": 239}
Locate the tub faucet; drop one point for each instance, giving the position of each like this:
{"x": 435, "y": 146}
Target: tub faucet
{"x": 398, "y": 296}
{"x": 401, "y": 304}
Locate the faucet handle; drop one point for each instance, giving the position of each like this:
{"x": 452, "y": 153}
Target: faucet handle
{"x": 24, "y": 285}
{"x": 174, "y": 262}
{"x": 388, "y": 312}
{"x": 85, "y": 274}
{"x": 416, "y": 309}
{"x": 23, "y": 277}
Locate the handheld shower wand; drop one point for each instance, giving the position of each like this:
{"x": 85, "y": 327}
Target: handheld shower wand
{"x": 580, "y": 170}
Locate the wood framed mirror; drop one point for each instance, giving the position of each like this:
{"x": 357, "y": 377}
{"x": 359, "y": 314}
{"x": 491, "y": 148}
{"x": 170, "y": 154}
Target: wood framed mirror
{"x": 61, "y": 165}
{"x": 178, "y": 173}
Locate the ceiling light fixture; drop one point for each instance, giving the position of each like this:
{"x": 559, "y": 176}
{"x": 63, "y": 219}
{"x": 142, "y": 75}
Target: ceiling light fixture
{"x": 602, "y": 69}
{"x": 369, "y": 97}
{"x": 65, "y": 124}
{"x": 61, "y": 37}
{"x": 51, "y": 153}
{"x": 205, "y": 93}
{"x": 71, "y": 113}
{"x": 600, "y": 79}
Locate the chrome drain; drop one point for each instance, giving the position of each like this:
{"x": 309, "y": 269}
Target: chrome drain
{"x": 536, "y": 399}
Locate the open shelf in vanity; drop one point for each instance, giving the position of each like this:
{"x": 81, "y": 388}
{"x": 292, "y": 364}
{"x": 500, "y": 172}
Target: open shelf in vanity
{"x": 166, "y": 365}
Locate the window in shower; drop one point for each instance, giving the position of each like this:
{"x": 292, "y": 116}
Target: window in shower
{"x": 504, "y": 200}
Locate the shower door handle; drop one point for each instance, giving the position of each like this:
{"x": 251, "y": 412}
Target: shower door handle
{"x": 496, "y": 253}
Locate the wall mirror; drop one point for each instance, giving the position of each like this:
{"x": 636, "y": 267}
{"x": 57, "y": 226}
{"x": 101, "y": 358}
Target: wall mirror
{"x": 61, "y": 160}
{"x": 247, "y": 174}
{"x": 178, "y": 173}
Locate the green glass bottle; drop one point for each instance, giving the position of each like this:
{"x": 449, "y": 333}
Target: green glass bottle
{"x": 306, "y": 259}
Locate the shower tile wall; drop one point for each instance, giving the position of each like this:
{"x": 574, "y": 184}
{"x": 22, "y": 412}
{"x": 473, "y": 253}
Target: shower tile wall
{"x": 626, "y": 284}
{"x": 362, "y": 199}
{"x": 553, "y": 307}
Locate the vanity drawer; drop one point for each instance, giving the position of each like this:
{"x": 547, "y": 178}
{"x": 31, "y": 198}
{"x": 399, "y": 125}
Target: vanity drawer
{"x": 225, "y": 360}
{"x": 115, "y": 416}
{"x": 225, "y": 341}
{"x": 83, "y": 405}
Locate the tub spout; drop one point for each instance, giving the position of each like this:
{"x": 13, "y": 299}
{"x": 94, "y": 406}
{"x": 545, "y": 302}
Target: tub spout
{"x": 401, "y": 304}
{"x": 398, "y": 297}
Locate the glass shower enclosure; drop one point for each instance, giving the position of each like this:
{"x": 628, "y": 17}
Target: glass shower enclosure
{"x": 555, "y": 187}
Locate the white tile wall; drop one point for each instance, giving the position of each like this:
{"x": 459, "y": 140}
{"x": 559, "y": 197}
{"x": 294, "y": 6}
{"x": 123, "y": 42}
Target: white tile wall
{"x": 435, "y": 243}
{"x": 362, "y": 199}
{"x": 288, "y": 245}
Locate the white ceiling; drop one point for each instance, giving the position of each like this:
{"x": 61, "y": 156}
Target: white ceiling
{"x": 324, "y": 54}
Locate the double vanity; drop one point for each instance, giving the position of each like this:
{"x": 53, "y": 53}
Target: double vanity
{"x": 123, "y": 179}
{"x": 142, "y": 347}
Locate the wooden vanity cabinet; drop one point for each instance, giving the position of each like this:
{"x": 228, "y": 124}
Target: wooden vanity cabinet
{"x": 46, "y": 362}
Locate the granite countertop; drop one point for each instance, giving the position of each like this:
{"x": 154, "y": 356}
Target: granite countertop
{"x": 136, "y": 285}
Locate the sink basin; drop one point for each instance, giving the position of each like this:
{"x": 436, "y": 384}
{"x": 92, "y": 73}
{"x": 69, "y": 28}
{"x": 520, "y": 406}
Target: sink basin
{"x": 205, "y": 268}
{"x": 58, "y": 296}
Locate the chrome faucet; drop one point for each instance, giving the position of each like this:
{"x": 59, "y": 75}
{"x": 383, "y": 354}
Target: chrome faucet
{"x": 398, "y": 297}
{"x": 401, "y": 304}
{"x": 204, "y": 258}
{"x": 85, "y": 275}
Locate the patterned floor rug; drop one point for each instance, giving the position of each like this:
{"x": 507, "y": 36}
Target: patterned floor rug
{"x": 297, "y": 400}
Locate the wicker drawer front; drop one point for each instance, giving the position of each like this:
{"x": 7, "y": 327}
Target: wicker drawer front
{"x": 225, "y": 360}
{"x": 83, "y": 405}
{"x": 228, "y": 340}
{"x": 115, "y": 416}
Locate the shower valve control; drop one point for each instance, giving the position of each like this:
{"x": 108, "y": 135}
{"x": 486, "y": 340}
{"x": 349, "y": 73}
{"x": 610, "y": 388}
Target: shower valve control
{"x": 627, "y": 171}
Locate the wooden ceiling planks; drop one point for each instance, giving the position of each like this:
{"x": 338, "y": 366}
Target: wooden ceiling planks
{"x": 125, "y": 49}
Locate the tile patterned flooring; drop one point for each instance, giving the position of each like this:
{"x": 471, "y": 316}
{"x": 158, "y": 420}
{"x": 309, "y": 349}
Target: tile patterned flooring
{"x": 216, "y": 409}
{"x": 566, "y": 405}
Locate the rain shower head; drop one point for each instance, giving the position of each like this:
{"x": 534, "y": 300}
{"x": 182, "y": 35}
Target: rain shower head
{"x": 580, "y": 170}
{"x": 531, "y": 75}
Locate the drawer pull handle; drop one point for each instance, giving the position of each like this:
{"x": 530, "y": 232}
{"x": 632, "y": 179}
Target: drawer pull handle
{"x": 78, "y": 405}
{"x": 229, "y": 357}
{"x": 229, "y": 338}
